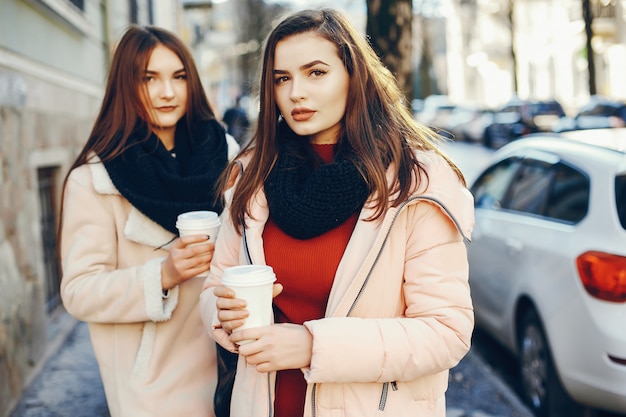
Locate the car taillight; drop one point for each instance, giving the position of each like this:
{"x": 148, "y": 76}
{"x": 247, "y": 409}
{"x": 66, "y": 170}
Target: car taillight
{"x": 603, "y": 275}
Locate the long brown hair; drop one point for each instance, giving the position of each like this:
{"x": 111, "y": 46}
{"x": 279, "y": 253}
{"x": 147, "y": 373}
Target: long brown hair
{"x": 122, "y": 111}
{"x": 377, "y": 127}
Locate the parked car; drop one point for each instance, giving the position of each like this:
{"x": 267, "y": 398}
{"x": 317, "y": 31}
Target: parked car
{"x": 521, "y": 117}
{"x": 599, "y": 112}
{"x": 435, "y": 112}
{"x": 467, "y": 123}
{"x": 548, "y": 266}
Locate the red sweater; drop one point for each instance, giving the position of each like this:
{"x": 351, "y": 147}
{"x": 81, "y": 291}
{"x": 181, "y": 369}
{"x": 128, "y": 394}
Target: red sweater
{"x": 306, "y": 269}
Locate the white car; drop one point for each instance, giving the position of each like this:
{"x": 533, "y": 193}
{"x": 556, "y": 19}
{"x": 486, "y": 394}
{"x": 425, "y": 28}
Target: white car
{"x": 548, "y": 266}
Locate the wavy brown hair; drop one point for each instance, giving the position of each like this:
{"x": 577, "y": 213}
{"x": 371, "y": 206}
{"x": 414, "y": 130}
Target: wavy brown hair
{"x": 377, "y": 128}
{"x": 122, "y": 112}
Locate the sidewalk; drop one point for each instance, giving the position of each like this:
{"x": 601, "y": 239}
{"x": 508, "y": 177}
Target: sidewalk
{"x": 68, "y": 383}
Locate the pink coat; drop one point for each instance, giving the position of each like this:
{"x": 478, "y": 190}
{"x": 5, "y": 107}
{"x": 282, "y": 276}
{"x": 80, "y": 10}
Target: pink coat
{"x": 154, "y": 355}
{"x": 399, "y": 315}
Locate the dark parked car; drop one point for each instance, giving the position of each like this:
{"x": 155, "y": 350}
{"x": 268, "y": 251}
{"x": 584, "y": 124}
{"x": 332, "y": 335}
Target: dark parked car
{"x": 467, "y": 123}
{"x": 521, "y": 117}
{"x": 598, "y": 113}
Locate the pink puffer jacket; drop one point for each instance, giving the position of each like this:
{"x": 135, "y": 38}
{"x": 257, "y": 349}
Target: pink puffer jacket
{"x": 399, "y": 315}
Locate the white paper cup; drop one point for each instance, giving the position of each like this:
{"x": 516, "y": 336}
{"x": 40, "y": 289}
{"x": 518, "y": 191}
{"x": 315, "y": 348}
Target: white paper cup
{"x": 252, "y": 283}
{"x": 199, "y": 223}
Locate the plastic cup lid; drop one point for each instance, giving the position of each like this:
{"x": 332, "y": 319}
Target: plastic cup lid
{"x": 248, "y": 275}
{"x": 200, "y": 218}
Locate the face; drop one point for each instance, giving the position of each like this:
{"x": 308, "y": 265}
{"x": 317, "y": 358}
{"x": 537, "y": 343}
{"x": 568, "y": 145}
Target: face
{"x": 311, "y": 86}
{"x": 165, "y": 81}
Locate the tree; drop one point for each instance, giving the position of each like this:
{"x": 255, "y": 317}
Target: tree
{"x": 588, "y": 18}
{"x": 511, "y": 23}
{"x": 389, "y": 28}
{"x": 255, "y": 20}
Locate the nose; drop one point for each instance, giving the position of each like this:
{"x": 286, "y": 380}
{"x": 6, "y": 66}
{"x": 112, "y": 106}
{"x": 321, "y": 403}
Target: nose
{"x": 167, "y": 91}
{"x": 297, "y": 91}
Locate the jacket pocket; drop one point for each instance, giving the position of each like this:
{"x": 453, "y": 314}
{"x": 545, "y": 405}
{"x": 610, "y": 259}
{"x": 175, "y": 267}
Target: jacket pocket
{"x": 144, "y": 353}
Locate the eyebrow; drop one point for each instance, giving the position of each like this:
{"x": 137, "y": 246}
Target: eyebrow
{"x": 150, "y": 72}
{"x": 303, "y": 67}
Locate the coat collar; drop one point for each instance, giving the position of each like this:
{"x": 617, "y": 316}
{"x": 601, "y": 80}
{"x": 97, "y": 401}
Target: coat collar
{"x": 138, "y": 228}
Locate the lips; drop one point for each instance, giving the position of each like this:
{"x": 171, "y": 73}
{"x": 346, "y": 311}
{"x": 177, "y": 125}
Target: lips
{"x": 301, "y": 115}
{"x": 166, "y": 109}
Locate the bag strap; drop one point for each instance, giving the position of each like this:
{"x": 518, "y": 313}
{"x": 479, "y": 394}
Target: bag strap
{"x": 243, "y": 225}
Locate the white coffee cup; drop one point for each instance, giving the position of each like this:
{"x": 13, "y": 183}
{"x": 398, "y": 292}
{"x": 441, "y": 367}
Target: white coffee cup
{"x": 201, "y": 222}
{"x": 252, "y": 283}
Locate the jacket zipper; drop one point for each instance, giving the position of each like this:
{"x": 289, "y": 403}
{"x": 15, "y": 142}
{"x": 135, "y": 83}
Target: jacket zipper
{"x": 246, "y": 252}
{"x": 383, "y": 397}
{"x": 440, "y": 204}
{"x": 394, "y": 385}
{"x": 385, "y": 393}
{"x": 313, "y": 391}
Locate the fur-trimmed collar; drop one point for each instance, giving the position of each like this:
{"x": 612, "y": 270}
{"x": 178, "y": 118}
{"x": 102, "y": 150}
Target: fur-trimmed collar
{"x": 139, "y": 228}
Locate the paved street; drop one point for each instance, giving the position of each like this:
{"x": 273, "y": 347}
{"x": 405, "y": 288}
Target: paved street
{"x": 68, "y": 384}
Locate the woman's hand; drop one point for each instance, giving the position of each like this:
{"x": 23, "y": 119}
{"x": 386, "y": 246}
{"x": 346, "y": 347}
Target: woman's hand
{"x": 231, "y": 311}
{"x": 277, "y": 347}
{"x": 189, "y": 256}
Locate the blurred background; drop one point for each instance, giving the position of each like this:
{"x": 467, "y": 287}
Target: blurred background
{"x": 483, "y": 71}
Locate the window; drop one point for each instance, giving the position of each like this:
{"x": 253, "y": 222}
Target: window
{"x": 490, "y": 189}
{"x": 556, "y": 191}
{"x": 47, "y": 203}
{"x": 133, "y": 11}
{"x": 569, "y": 195}
{"x": 529, "y": 189}
{"x": 80, "y": 4}
{"x": 68, "y": 12}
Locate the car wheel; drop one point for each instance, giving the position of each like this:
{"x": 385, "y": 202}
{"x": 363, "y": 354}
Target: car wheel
{"x": 541, "y": 386}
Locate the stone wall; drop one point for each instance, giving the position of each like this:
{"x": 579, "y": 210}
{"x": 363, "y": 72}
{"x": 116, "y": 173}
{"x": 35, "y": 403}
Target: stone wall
{"x": 43, "y": 123}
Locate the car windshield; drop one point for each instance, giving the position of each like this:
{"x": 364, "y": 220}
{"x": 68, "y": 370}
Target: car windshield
{"x": 620, "y": 198}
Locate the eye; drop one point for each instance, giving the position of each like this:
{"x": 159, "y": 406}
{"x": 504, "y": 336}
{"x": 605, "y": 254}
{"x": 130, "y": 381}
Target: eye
{"x": 182, "y": 76}
{"x": 280, "y": 80}
{"x": 148, "y": 78}
{"x": 317, "y": 73}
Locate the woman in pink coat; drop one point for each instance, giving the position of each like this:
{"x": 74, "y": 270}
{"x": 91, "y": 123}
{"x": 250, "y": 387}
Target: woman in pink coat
{"x": 155, "y": 151}
{"x": 364, "y": 222}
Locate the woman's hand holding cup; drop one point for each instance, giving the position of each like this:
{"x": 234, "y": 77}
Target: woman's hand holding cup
{"x": 232, "y": 311}
{"x": 189, "y": 256}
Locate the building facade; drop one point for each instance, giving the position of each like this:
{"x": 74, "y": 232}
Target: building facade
{"x": 54, "y": 55}
{"x": 542, "y": 43}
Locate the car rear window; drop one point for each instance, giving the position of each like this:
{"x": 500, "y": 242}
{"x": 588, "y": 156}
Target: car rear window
{"x": 620, "y": 198}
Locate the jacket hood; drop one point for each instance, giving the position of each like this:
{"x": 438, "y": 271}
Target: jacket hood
{"x": 443, "y": 186}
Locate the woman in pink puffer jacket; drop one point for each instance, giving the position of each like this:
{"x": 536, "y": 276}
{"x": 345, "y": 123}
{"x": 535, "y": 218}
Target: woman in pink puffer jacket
{"x": 365, "y": 223}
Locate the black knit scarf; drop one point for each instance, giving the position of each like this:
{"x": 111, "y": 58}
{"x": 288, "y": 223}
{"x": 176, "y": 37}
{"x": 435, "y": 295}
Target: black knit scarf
{"x": 161, "y": 186}
{"x": 307, "y": 199}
